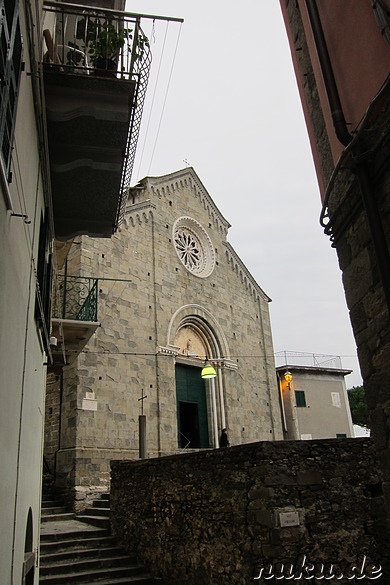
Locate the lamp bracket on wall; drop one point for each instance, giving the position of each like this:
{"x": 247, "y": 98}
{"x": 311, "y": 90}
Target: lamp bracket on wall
{"x": 25, "y": 217}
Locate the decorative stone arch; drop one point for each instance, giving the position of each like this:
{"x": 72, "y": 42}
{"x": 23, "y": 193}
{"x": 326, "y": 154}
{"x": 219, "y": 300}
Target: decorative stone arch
{"x": 197, "y": 324}
{"x": 206, "y": 324}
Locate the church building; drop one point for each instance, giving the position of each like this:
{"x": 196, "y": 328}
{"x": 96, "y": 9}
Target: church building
{"x": 173, "y": 295}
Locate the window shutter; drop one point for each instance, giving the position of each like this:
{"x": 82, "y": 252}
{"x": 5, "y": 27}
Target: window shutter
{"x": 11, "y": 50}
{"x": 300, "y": 398}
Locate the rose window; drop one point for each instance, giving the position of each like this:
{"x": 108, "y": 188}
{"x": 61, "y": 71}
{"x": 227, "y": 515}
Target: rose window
{"x": 188, "y": 249}
{"x": 193, "y": 246}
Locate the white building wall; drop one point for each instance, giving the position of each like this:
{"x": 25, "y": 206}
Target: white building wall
{"x": 22, "y": 369}
{"x": 323, "y": 417}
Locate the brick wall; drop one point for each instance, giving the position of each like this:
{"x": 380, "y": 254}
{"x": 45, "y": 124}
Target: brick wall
{"x": 215, "y": 516}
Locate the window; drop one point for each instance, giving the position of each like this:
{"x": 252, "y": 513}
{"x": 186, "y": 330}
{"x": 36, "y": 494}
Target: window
{"x": 341, "y": 435}
{"x": 11, "y": 49}
{"x": 300, "y": 398}
{"x": 336, "y": 399}
{"x": 193, "y": 246}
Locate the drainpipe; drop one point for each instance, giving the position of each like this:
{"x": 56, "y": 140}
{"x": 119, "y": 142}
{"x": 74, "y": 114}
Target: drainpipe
{"x": 336, "y": 109}
{"x": 279, "y": 382}
{"x": 361, "y": 169}
{"x": 221, "y": 398}
{"x": 215, "y": 419}
{"x": 59, "y": 426}
{"x": 156, "y": 360}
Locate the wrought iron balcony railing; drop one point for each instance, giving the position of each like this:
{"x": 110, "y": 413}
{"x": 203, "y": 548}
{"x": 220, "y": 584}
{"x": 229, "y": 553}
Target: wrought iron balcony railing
{"x": 75, "y": 298}
{"x": 93, "y": 41}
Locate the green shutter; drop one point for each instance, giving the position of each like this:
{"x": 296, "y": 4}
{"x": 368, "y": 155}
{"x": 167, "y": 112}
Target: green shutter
{"x": 300, "y": 398}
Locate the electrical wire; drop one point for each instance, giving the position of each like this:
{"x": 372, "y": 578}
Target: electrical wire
{"x": 165, "y": 98}
{"x": 153, "y": 98}
{"x": 221, "y": 358}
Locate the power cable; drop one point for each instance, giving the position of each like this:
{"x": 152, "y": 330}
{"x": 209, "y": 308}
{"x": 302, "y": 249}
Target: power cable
{"x": 237, "y": 356}
{"x": 165, "y": 98}
{"x": 154, "y": 95}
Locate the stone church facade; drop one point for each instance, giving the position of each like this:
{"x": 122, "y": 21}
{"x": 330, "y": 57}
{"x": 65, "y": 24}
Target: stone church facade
{"x": 172, "y": 293}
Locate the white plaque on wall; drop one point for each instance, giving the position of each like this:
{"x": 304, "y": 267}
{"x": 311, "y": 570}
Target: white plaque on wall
{"x": 288, "y": 519}
{"x": 89, "y": 404}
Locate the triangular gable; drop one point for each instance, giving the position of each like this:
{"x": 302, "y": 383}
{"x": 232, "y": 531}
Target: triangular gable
{"x": 166, "y": 185}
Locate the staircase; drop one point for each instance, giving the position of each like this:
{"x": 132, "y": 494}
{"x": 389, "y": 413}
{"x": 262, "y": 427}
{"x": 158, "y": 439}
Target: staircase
{"x": 53, "y": 509}
{"x": 79, "y": 550}
{"x": 99, "y": 514}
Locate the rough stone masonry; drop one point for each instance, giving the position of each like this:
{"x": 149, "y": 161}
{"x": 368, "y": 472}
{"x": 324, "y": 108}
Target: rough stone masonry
{"x": 220, "y": 516}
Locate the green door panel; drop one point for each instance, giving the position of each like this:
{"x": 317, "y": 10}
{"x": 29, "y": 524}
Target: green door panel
{"x": 191, "y": 389}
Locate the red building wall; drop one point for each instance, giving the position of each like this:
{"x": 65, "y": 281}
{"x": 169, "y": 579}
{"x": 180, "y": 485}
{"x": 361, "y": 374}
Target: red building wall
{"x": 360, "y": 58}
{"x": 356, "y": 209}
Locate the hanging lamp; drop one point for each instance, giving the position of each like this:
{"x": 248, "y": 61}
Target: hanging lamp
{"x": 208, "y": 371}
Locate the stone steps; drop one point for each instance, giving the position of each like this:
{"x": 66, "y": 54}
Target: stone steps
{"x": 112, "y": 576}
{"x": 57, "y": 517}
{"x": 75, "y": 552}
{"x": 77, "y": 569}
{"x": 95, "y": 520}
{"x": 80, "y": 551}
{"x": 98, "y": 514}
{"x": 52, "y": 546}
{"x": 53, "y": 509}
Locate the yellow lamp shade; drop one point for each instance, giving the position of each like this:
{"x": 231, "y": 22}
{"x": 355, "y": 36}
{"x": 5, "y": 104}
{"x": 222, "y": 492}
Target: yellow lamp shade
{"x": 288, "y": 377}
{"x": 208, "y": 372}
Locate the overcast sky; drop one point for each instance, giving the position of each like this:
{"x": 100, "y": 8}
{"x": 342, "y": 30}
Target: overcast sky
{"x": 233, "y": 112}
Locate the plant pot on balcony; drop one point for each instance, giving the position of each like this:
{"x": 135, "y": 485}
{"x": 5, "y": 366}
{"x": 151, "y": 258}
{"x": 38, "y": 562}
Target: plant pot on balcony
{"x": 105, "y": 68}
{"x": 105, "y": 42}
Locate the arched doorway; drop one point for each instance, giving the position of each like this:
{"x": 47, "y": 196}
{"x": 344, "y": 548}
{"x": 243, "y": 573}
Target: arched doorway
{"x": 196, "y": 335}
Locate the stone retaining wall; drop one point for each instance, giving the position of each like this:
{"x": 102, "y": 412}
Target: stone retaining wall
{"x": 217, "y": 516}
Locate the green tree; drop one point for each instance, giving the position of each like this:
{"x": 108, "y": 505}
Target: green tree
{"x": 357, "y": 403}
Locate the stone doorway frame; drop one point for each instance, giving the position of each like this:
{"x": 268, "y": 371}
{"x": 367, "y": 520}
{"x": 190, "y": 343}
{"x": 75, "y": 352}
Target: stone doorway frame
{"x": 216, "y": 349}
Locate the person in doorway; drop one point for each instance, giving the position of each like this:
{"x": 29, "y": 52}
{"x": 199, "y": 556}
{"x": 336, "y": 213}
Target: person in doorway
{"x": 224, "y": 440}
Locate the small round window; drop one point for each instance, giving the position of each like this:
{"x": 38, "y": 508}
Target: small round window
{"x": 193, "y": 246}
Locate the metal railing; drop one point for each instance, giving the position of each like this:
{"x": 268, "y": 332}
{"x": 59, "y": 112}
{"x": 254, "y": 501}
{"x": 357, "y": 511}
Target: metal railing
{"x": 98, "y": 42}
{"x": 87, "y": 40}
{"x": 75, "y": 298}
{"x": 317, "y": 360}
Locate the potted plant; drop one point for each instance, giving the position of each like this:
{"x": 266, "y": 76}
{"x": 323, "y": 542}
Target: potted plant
{"x": 104, "y": 44}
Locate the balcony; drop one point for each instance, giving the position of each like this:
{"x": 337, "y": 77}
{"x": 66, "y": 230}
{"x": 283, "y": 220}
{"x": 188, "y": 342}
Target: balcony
{"x": 74, "y": 317}
{"x": 95, "y": 68}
